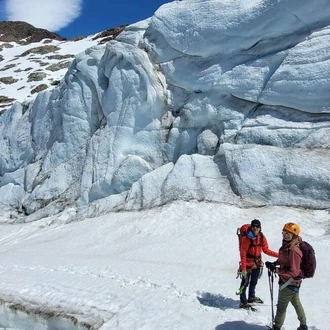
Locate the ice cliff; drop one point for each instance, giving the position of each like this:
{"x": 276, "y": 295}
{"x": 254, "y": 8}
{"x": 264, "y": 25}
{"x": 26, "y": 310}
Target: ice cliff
{"x": 217, "y": 100}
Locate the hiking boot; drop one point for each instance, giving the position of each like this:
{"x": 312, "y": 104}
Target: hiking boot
{"x": 303, "y": 327}
{"x": 275, "y": 328}
{"x": 255, "y": 300}
{"x": 245, "y": 305}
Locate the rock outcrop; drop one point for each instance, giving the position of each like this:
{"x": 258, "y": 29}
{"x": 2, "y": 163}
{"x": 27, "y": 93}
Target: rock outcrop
{"x": 24, "y": 33}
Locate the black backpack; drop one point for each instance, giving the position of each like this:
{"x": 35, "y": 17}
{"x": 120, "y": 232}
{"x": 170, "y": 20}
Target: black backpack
{"x": 308, "y": 262}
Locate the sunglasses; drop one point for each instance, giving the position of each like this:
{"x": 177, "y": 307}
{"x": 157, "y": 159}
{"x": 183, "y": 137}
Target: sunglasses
{"x": 254, "y": 226}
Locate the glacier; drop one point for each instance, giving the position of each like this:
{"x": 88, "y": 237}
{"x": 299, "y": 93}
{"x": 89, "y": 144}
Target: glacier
{"x": 219, "y": 100}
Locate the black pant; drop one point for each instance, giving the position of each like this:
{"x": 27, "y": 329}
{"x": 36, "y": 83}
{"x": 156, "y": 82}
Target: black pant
{"x": 250, "y": 281}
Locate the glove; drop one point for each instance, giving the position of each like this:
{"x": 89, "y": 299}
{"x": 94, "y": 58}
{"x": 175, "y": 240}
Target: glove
{"x": 243, "y": 273}
{"x": 270, "y": 265}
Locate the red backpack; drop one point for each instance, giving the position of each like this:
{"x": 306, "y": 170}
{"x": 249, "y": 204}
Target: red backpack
{"x": 243, "y": 231}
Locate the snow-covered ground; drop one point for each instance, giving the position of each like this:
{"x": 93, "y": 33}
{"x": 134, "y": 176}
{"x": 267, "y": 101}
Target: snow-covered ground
{"x": 172, "y": 267}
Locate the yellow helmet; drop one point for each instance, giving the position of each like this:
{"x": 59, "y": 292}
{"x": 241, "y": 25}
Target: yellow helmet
{"x": 292, "y": 228}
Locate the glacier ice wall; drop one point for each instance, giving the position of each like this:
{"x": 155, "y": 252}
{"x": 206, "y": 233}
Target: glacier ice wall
{"x": 209, "y": 100}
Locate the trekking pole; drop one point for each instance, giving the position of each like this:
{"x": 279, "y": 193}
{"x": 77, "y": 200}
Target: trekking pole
{"x": 271, "y": 289}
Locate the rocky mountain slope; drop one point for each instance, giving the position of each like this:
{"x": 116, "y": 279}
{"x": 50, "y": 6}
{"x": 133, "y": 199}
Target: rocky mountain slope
{"x": 24, "y": 33}
{"x": 32, "y": 59}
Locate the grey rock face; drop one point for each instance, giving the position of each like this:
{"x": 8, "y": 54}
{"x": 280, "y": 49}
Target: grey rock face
{"x": 17, "y": 31}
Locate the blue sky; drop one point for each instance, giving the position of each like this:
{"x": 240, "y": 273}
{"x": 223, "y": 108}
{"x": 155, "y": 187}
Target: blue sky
{"x": 71, "y": 18}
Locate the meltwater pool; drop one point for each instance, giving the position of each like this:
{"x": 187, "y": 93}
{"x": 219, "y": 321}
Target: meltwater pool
{"x": 17, "y": 320}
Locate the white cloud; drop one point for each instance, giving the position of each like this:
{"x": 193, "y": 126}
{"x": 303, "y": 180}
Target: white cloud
{"x": 48, "y": 14}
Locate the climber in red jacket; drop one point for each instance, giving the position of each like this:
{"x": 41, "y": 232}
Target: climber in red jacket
{"x": 251, "y": 246}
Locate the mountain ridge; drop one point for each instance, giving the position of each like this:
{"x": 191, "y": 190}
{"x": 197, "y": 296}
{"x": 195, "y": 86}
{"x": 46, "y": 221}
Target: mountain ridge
{"x": 24, "y": 33}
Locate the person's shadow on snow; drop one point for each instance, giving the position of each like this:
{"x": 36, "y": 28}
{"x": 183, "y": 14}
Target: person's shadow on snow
{"x": 239, "y": 325}
{"x": 216, "y": 301}
{"x": 219, "y": 301}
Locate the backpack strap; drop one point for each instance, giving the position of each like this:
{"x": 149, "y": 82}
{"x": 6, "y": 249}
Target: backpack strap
{"x": 255, "y": 257}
